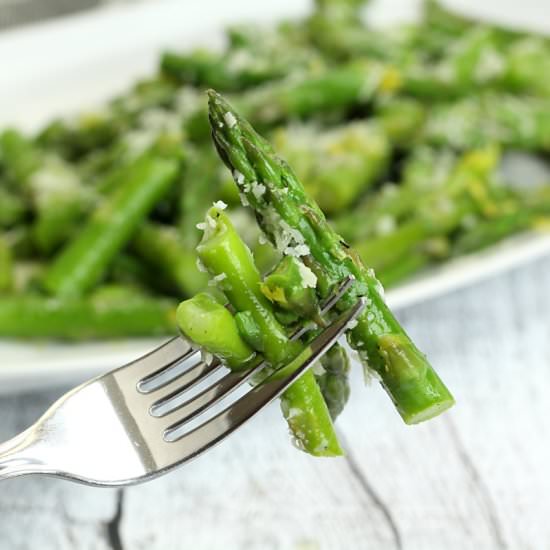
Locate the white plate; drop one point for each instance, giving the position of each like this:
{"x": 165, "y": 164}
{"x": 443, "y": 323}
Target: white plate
{"x": 65, "y": 65}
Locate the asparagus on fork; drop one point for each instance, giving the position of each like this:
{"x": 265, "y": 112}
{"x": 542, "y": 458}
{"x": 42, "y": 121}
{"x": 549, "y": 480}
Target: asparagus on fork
{"x": 296, "y": 226}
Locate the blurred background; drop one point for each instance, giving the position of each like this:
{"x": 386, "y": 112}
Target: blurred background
{"x": 21, "y": 12}
{"x": 423, "y": 131}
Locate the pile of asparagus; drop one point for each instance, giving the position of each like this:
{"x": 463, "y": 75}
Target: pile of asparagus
{"x": 396, "y": 134}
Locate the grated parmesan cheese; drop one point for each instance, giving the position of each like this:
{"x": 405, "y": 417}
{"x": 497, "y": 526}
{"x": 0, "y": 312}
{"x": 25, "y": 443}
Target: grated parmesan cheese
{"x": 293, "y": 412}
{"x": 318, "y": 369}
{"x": 385, "y": 225}
{"x": 239, "y": 178}
{"x": 309, "y": 279}
{"x": 230, "y": 119}
{"x": 258, "y": 190}
{"x": 244, "y": 200}
{"x": 217, "y": 279}
{"x": 297, "y": 251}
{"x": 206, "y": 357}
{"x": 323, "y": 446}
{"x": 200, "y": 266}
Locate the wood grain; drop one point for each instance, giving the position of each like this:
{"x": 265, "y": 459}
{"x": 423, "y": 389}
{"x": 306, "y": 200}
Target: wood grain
{"x": 477, "y": 477}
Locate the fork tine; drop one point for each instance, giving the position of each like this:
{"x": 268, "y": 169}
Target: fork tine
{"x": 214, "y": 430}
{"x": 198, "y": 372}
{"x": 186, "y": 380}
{"x": 206, "y": 399}
{"x": 218, "y": 390}
{"x": 157, "y": 361}
{"x": 329, "y": 303}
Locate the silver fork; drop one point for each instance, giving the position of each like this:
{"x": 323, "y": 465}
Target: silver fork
{"x": 109, "y": 431}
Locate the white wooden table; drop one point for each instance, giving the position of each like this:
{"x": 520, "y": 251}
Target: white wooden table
{"x": 478, "y": 477}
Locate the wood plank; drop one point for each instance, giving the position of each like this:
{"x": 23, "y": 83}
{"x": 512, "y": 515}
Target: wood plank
{"x": 462, "y": 480}
{"x": 46, "y": 513}
{"x": 476, "y": 477}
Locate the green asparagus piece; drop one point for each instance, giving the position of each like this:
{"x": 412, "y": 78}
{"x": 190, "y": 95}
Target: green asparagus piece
{"x": 6, "y": 266}
{"x": 145, "y": 95}
{"x": 406, "y": 266}
{"x": 164, "y": 249}
{"x": 334, "y": 379}
{"x": 72, "y": 138}
{"x": 285, "y": 212}
{"x": 19, "y": 157}
{"x": 26, "y": 277}
{"x": 76, "y": 137}
{"x": 527, "y": 66}
{"x": 291, "y": 287}
{"x": 228, "y": 259}
{"x": 471, "y": 62}
{"x": 128, "y": 270}
{"x": 231, "y": 264}
{"x": 332, "y": 92}
{"x": 522, "y": 123}
{"x": 60, "y": 202}
{"x": 337, "y": 30}
{"x": 490, "y": 231}
{"x": 401, "y": 119}
{"x": 200, "y": 188}
{"x": 227, "y": 71}
{"x": 12, "y": 208}
{"x": 337, "y": 165}
{"x": 210, "y": 325}
{"x": 465, "y": 194}
{"x": 21, "y": 242}
{"x": 112, "y": 312}
{"x": 53, "y": 186}
{"x": 84, "y": 261}
{"x": 324, "y": 95}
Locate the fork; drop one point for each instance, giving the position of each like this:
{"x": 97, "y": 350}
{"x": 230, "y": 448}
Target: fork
{"x": 112, "y": 430}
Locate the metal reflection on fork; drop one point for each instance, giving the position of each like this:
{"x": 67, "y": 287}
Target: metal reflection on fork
{"x": 108, "y": 431}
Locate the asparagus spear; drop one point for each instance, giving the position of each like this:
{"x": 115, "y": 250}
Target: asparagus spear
{"x": 84, "y": 261}
{"x": 208, "y": 323}
{"x": 334, "y": 379}
{"x": 296, "y": 225}
{"x": 231, "y": 264}
{"x": 112, "y": 312}
{"x": 291, "y": 287}
{"x": 164, "y": 249}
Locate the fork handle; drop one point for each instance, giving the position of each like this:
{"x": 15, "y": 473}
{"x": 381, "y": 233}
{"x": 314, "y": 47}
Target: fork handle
{"x": 14, "y": 460}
